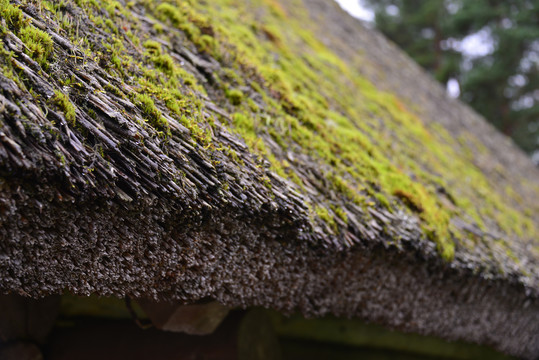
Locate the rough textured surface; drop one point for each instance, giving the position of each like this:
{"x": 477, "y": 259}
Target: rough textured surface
{"x": 182, "y": 151}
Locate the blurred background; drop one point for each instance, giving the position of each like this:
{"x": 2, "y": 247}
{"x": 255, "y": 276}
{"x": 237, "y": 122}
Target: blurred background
{"x": 485, "y": 52}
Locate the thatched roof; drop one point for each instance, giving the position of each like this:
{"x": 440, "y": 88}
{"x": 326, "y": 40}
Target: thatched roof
{"x": 272, "y": 153}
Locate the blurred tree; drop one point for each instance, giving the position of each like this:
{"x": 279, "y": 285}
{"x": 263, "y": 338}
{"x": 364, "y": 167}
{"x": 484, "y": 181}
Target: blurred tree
{"x": 502, "y": 84}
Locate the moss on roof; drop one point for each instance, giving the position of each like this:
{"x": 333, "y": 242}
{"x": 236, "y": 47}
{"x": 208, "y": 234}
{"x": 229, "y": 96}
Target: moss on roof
{"x": 238, "y": 102}
{"x": 374, "y": 150}
{"x": 375, "y": 147}
{"x": 378, "y": 152}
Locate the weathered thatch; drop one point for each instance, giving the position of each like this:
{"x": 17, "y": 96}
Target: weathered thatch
{"x": 257, "y": 153}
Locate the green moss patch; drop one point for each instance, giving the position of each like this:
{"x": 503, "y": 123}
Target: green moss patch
{"x": 63, "y": 102}
{"x": 11, "y": 13}
{"x": 152, "y": 113}
{"x": 235, "y": 96}
{"x": 38, "y": 42}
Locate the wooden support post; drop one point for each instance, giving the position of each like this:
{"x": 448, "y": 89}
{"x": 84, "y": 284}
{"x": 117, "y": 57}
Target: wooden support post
{"x": 25, "y": 324}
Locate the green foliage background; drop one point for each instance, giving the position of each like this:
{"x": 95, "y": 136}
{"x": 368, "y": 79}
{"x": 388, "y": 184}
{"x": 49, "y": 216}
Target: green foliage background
{"x": 502, "y": 85}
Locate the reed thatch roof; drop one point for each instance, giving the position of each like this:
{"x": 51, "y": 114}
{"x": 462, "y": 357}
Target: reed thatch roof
{"x": 272, "y": 153}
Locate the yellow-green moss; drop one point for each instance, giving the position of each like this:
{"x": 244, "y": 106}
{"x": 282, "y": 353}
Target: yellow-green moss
{"x": 158, "y": 28}
{"x": 152, "y": 113}
{"x": 161, "y": 61}
{"x": 38, "y": 42}
{"x": 11, "y": 13}
{"x": 6, "y": 66}
{"x": 324, "y": 215}
{"x": 235, "y": 96}
{"x": 205, "y": 43}
{"x": 166, "y": 11}
{"x": 63, "y": 102}
{"x": 340, "y": 213}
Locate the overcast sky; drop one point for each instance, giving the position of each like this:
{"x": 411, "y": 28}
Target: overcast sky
{"x": 354, "y": 8}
